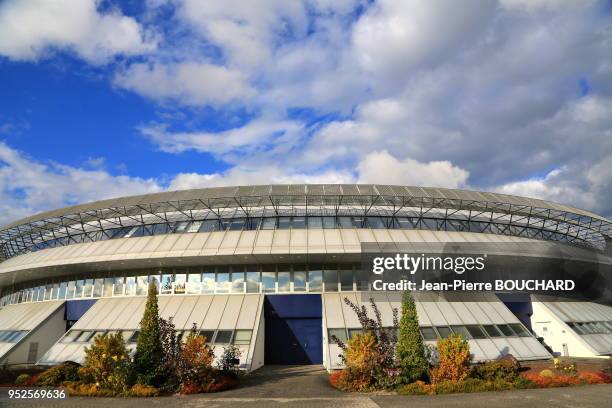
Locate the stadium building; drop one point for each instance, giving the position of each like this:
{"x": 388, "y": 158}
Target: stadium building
{"x": 267, "y": 268}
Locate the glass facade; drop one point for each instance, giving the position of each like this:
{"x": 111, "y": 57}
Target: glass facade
{"x": 195, "y": 281}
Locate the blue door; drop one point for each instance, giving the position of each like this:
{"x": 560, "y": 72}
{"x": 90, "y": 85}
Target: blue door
{"x": 294, "y": 329}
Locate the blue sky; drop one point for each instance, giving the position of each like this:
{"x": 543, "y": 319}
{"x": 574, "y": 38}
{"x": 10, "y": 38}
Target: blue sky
{"x": 111, "y": 98}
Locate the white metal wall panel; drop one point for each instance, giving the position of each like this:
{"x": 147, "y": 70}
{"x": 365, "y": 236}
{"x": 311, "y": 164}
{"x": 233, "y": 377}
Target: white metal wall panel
{"x": 248, "y": 312}
{"x": 350, "y": 318}
{"x": 281, "y": 242}
{"x": 182, "y": 315}
{"x": 298, "y": 241}
{"x": 201, "y": 310}
{"x": 231, "y": 312}
{"x": 333, "y": 310}
{"x": 215, "y": 311}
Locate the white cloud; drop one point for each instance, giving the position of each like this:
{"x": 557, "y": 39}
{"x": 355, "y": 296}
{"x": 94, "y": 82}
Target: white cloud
{"x": 28, "y": 186}
{"x": 29, "y": 29}
{"x": 383, "y": 168}
{"x": 190, "y": 83}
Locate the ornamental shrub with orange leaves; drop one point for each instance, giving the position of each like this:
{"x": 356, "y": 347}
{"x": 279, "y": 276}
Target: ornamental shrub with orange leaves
{"x": 453, "y": 360}
{"x": 195, "y": 358}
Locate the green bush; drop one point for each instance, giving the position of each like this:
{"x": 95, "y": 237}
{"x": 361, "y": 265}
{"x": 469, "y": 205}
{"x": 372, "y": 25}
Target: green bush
{"x": 411, "y": 352}
{"x": 107, "y": 363}
{"x": 547, "y": 373}
{"x": 415, "y": 388}
{"x": 22, "y": 379}
{"x": 148, "y": 359}
{"x": 495, "y": 370}
{"x": 55, "y": 376}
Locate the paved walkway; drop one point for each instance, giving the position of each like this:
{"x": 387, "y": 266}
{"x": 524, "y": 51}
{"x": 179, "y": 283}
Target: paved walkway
{"x": 306, "y": 386}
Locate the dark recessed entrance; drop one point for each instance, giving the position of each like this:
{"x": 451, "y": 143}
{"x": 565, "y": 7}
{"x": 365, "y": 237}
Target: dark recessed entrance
{"x": 294, "y": 329}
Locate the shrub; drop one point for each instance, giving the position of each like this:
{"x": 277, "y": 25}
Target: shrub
{"x": 171, "y": 348}
{"x": 411, "y": 352}
{"x": 361, "y": 361}
{"x": 453, "y": 360}
{"x": 338, "y": 379}
{"x": 107, "y": 363}
{"x": 139, "y": 390}
{"x": 148, "y": 358}
{"x": 590, "y": 377}
{"x": 55, "y": 376}
{"x": 495, "y": 370}
{"x": 230, "y": 354}
{"x": 416, "y": 388}
{"x": 547, "y": 373}
{"x": 77, "y": 389}
{"x": 22, "y": 379}
{"x": 196, "y": 359}
{"x": 219, "y": 383}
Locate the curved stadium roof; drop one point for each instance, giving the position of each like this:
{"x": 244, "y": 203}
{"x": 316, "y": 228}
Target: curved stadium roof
{"x": 579, "y": 226}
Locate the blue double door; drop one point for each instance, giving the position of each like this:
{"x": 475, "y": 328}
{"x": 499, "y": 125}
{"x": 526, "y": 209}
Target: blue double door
{"x": 294, "y": 329}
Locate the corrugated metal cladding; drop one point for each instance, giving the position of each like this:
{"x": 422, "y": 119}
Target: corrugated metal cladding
{"x": 585, "y": 312}
{"x": 478, "y": 309}
{"x": 24, "y": 317}
{"x": 218, "y": 312}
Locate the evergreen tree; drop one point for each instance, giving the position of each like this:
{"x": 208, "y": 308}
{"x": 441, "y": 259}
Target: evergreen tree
{"x": 411, "y": 352}
{"x": 148, "y": 358}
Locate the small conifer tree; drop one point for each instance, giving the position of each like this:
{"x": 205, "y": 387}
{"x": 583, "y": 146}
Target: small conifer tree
{"x": 411, "y": 352}
{"x": 149, "y": 350}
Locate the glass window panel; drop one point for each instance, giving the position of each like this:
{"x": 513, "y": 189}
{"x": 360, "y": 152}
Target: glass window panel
{"x": 345, "y": 222}
{"x": 236, "y": 224}
{"x": 268, "y": 280}
{"x": 223, "y": 282}
{"x": 194, "y": 283}
{"x": 130, "y": 286}
{"x": 330, "y": 278}
{"x": 142, "y": 285}
{"x": 315, "y": 278}
{"x": 269, "y": 223}
{"x": 284, "y": 281}
{"x": 207, "y": 334}
{"x": 126, "y": 334}
{"x": 520, "y": 330}
{"x": 298, "y": 222}
{"x": 505, "y": 329}
{"x": 253, "y": 279}
{"x": 62, "y": 290}
{"x": 78, "y": 290}
{"x": 463, "y": 331}
{"x": 179, "y": 283}
{"x": 353, "y": 332}
{"x": 98, "y": 288}
{"x": 284, "y": 222}
{"x": 166, "y": 283}
{"x": 70, "y": 290}
{"x": 194, "y": 226}
{"x": 48, "y": 290}
{"x": 444, "y": 331}
{"x": 243, "y": 337}
{"x": 119, "y": 288}
{"x": 71, "y": 336}
{"x": 428, "y": 333}
{"x": 108, "y": 287}
{"x": 209, "y": 225}
{"x": 492, "y": 331}
{"x": 181, "y": 226}
{"x": 134, "y": 337}
{"x": 329, "y": 222}
{"x": 299, "y": 280}
{"x": 84, "y": 336}
{"x": 208, "y": 282}
{"x": 340, "y": 334}
{"x": 155, "y": 278}
{"x": 88, "y": 288}
{"x": 223, "y": 337}
{"x": 237, "y": 280}
{"x": 476, "y": 332}
{"x": 346, "y": 278}
{"x": 315, "y": 222}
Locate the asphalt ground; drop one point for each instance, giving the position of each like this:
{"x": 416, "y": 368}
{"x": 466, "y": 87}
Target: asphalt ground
{"x": 307, "y": 386}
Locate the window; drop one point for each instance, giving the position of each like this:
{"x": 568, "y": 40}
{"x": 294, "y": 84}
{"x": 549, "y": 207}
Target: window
{"x": 166, "y": 283}
{"x": 70, "y": 290}
{"x": 284, "y": 281}
{"x": 127, "y": 334}
{"x": 223, "y": 280}
{"x": 330, "y": 279}
{"x": 71, "y": 336}
{"x": 346, "y": 278}
{"x": 238, "y": 280}
{"x": 463, "y": 331}
{"x": 208, "y": 282}
{"x": 315, "y": 278}
{"x": 87, "y": 289}
{"x": 492, "y": 331}
{"x": 243, "y": 337}
{"x": 428, "y": 333}
{"x": 339, "y": 333}
{"x": 194, "y": 284}
{"x": 505, "y": 329}
{"x": 142, "y": 285}
{"x": 62, "y": 290}
{"x": 252, "y": 280}
{"x": 444, "y": 331}
{"x": 179, "y": 283}
{"x": 353, "y": 332}
{"x": 207, "y": 334}
{"x": 84, "y": 336}
{"x": 98, "y": 287}
{"x": 268, "y": 281}
{"x": 476, "y": 332}
{"x": 130, "y": 286}
{"x": 119, "y": 286}
{"x": 108, "y": 287}
{"x": 299, "y": 279}
{"x": 134, "y": 337}
{"x": 223, "y": 337}
{"x": 520, "y": 330}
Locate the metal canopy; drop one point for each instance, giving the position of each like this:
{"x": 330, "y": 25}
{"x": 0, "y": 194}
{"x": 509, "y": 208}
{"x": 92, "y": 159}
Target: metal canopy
{"x": 512, "y": 215}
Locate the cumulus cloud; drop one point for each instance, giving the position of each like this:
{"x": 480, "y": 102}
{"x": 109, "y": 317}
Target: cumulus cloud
{"x": 191, "y": 83}
{"x": 383, "y": 168}
{"x": 30, "y": 29}
{"x": 28, "y": 186}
